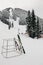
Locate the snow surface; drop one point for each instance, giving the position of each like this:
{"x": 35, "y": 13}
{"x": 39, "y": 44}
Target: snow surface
{"x": 33, "y": 48}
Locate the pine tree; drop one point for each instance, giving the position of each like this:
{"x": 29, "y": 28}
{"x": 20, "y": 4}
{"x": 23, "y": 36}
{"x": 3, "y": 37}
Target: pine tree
{"x": 33, "y": 24}
{"x": 28, "y": 21}
{"x": 38, "y": 28}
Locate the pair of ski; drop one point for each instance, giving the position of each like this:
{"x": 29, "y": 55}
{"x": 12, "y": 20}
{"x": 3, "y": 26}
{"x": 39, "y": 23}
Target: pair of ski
{"x": 19, "y": 46}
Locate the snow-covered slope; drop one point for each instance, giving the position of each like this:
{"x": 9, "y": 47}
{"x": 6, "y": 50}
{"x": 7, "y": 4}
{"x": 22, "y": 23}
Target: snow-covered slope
{"x": 33, "y": 48}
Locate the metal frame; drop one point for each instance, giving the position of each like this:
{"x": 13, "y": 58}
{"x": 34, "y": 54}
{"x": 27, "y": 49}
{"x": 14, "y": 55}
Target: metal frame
{"x": 6, "y": 49}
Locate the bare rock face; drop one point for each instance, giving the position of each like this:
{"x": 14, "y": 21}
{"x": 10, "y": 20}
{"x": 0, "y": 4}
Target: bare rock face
{"x": 22, "y": 14}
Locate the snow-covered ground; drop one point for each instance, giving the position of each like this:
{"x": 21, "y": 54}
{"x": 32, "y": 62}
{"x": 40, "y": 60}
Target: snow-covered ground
{"x": 33, "y": 48}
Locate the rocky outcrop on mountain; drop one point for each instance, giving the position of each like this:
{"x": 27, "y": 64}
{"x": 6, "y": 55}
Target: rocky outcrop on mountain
{"x": 4, "y": 15}
{"x": 22, "y": 14}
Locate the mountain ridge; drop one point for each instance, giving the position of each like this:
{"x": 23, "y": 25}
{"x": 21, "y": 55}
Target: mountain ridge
{"x": 17, "y": 12}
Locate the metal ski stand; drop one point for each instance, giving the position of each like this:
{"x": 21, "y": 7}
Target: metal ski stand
{"x": 10, "y": 48}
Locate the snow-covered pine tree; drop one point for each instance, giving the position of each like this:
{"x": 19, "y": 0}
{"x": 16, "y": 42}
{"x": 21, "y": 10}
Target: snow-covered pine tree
{"x": 33, "y": 24}
{"x": 38, "y": 28}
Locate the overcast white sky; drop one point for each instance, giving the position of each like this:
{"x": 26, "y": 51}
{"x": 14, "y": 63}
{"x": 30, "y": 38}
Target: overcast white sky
{"x": 37, "y": 5}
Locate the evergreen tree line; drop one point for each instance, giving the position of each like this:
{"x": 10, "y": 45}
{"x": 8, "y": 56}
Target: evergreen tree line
{"x": 33, "y": 27}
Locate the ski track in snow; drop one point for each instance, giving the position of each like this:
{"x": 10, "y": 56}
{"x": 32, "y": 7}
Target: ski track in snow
{"x": 33, "y": 48}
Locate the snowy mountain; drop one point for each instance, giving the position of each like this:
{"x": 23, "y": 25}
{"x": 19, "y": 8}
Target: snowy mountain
{"x": 33, "y": 47}
{"x": 17, "y": 12}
